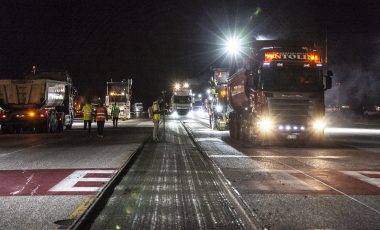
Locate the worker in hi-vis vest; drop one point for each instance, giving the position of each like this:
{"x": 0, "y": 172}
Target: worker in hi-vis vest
{"x": 87, "y": 116}
{"x": 101, "y": 117}
{"x": 156, "y": 119}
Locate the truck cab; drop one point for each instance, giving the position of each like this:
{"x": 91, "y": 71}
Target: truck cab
{"x": 279, "y": 94}
{"x": 182, "y": 99}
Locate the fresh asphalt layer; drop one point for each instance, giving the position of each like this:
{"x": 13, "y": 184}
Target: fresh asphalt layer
{"x": 48, "y": 180}
{"x": 170, "y": 186}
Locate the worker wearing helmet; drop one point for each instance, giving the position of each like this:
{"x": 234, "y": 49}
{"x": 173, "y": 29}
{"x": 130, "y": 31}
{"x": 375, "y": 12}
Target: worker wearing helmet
{"x": 87, "y": 116}
{"x": 101, "y": 117}
{"x": 115, "y": 111}
{"x": 156, "y": 119}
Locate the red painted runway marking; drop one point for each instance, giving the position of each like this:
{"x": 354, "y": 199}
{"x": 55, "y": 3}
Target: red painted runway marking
{"x": 53, "y": 181}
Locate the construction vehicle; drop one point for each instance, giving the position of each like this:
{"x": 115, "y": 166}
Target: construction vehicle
{"x": 218, "y": 106}
{"x": 278, "y": 94}
{"x": 119, "y": 93}
{"x": 181, "y": 100}
{"x": 42, "y": 102}
{"x": 138, "y": 107}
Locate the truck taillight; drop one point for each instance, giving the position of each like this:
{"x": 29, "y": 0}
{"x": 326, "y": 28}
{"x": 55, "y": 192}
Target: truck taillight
{"x": 3, "y": 116}
{"x": 42, "y": 115}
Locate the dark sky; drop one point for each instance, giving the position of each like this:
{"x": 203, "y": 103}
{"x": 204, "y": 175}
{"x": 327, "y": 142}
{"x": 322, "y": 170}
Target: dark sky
{"x": 159, "y": 42}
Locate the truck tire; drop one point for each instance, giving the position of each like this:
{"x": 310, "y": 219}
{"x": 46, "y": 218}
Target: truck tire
{"x": 232, "y": 125}
{"x": 53, "y": 123}
{"x": 238, "y": 127}
{"x": 69, "y": 126}
{"x": 244, "y": 128}
{"x": 213, "y": 122}
{"x": 60, "y": 121}
{"x": 251, "y": 128}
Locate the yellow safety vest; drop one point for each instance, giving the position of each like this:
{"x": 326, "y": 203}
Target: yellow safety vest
{"x": 156, "y": 111}
{"x": 87, "y": 112}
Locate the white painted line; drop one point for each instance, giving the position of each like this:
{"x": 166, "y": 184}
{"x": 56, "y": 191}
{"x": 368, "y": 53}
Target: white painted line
{"x": 209, "y": 139}
{"x": 19, "y": 150}
{"x": 68, "y": 184}
{"x": 359, "y": 175}
{"x": 95, "y": 179}
{"x": 300, "y": 157}
{"x": 352, "y": 131}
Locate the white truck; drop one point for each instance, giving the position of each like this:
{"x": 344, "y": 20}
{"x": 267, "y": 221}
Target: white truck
{"x": 119, "y": 93}
{"x": 181, "y": 101}
{"x": 42, "y": 102}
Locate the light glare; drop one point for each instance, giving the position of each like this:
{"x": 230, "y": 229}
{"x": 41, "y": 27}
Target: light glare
{"x": 233, "y": 46}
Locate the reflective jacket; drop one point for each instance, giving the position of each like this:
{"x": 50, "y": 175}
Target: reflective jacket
{"x": 87, "y": 112}
{"x": 156, "y": 111}
{"x": 101, "y": 113}
{"x": 115, "y": 111}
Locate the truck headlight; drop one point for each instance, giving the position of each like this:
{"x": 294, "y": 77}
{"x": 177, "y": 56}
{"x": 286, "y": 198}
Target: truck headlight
{"x": 219, "y": 108}
{"x": 266, "y": 124}
{"x": 319, "y": 124}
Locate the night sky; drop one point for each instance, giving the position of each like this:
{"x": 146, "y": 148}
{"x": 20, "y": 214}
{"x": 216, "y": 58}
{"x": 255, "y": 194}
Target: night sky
{"x": 159, "y": 42}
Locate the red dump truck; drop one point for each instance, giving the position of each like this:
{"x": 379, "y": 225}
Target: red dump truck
{"x": 42, "y": 102}
{"x": 278, "y": 93}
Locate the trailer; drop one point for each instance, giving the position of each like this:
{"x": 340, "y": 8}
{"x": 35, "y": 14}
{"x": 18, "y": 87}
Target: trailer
{"x": 42, "y": 102}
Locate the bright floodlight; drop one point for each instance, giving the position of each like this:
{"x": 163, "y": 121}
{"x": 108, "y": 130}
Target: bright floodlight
{"x": 186, "y": 85}
{"x": 233, "y": 46}
{"x": 199, "y": 95}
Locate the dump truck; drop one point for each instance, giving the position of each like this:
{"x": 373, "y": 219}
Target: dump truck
{"x": 119, "y": 93}
{"x": 277, "y": 94}
{"x": 42, "y": 102}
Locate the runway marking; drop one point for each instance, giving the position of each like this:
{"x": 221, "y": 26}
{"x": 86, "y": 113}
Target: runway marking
{"x": 370, "y": 177}
{"x": 301, "y": 157}
{"x": 292, "y": 181}
{"x": 69, "y": 184}
{"x": 42, "y": 182}
{"x": 332, "y": 187}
